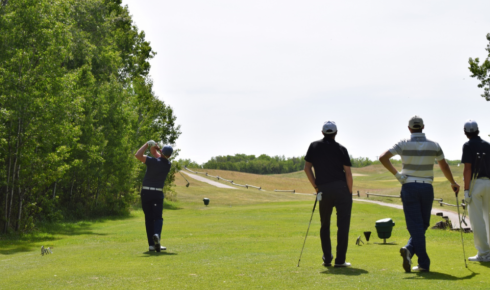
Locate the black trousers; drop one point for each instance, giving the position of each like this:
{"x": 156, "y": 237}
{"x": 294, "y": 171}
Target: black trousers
{"x": 335, "y": 194}
{"x": 152, "y": 203}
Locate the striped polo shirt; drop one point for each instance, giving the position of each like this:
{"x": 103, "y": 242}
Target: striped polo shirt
{"x": 418, "y": 154}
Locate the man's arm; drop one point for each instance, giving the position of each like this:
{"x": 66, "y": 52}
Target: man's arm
{"x": 449, "y": 176}
{"x": 385, "y": 160}
{"x": 310, "y": 175}
{"x": 467, "y": 176}
{"x": 348, "y": 176}
{"x": 139, "y": 154}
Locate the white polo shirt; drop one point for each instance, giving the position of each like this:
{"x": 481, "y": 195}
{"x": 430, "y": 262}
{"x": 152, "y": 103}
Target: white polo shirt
{"x": 418, "y": 154}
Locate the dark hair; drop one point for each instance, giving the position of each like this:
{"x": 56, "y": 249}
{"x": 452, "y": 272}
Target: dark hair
{"x": 417, "y": 130}
{"x": 472, "y": 134}
{"x": 331, "y": 136}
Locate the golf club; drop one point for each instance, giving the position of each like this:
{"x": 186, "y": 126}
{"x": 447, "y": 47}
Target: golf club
{"x": 472, "y": 183}
{"x": 461, "y": 231}
{"x": 316, "y": 199}
{"x": 187, "y": 185}
{"x": 476, "y": 172}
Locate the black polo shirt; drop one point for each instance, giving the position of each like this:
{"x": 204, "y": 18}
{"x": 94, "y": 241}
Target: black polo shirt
{"x": 157, "y": 170}
{"x": 328, "y": 158}
{"x": 470, "y": 148}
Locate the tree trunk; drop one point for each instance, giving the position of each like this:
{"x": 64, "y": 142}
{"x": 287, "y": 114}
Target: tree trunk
{"x": 71, "y": 190}
{"x": 7, "y": 190}
{"x": 7, "y": 222}
{"x": 21, "y": 198}
{"x": 54, "y": 189}
{"x": 97, "y": 194}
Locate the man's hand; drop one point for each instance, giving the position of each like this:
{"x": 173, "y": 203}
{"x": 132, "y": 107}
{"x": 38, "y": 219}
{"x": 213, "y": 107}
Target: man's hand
{"x": 467, "y": 197}
{"x": 401, "y": 177}
{"x": 151, "y": 143}
{"x": 455, "y": 187}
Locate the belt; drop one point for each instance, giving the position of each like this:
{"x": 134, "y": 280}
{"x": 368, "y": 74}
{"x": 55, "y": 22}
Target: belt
{"x": 485, "y": 178}
{"x": 152, "y": 188}
{"x": 412, "y": 179}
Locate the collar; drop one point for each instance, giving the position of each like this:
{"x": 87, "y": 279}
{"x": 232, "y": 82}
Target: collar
{"x": 417, "y": 136}
{"x": 476, "y": 138}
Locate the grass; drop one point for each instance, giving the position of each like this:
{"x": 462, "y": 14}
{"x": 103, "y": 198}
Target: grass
{"x": 222, "y": 247}
{"x": 245, "y": 239}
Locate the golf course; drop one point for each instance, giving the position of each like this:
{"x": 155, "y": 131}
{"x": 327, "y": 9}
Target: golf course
{"x": 244, "y": 239}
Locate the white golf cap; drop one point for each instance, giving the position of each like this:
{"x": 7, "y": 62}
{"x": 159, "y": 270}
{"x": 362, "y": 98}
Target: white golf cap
{"x": 470, "y": 126}
{"x": 329, "y": 127}
{"x": 416, "y": 122}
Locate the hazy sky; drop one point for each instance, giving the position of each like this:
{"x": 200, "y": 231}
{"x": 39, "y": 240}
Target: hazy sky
{"x": 263, "y": 76}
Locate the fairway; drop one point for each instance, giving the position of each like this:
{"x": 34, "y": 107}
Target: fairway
{"x": 243, "y": 240}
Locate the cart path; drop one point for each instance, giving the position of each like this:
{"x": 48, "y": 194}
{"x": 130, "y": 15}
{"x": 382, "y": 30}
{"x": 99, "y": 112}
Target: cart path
{"x": 203, "y": 179}
{"x": 451, "y": 215}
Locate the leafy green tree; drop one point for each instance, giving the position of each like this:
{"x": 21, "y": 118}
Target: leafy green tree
{"x": 75, "y": 102}
{"x": 482, "y": 72}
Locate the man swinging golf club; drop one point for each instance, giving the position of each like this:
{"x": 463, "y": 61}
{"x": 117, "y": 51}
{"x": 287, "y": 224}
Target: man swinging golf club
{"x": 418, "y": 154}
{"x": 157, "y": 169}
{"x": 476, "y": 160}
{"x": 333, "y": 179}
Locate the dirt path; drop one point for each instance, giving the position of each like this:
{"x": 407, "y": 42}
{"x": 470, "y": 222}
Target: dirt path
{"x": 451, "y": 215}
{"x": 203, "y": 179}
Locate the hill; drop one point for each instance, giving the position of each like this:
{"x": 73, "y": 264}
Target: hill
{"x": 372, "y": 179}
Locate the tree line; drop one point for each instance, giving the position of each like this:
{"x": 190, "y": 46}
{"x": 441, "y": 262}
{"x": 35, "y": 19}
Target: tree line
{"x": 265, "y": 164}
{"x": 262, "y": 164}
{"x": 76, "y": 102}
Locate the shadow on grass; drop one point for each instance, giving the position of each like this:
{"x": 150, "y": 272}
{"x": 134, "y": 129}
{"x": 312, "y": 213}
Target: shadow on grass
{"x": 47, "y": 233}
{"x": 484, "y": 264}
{"x": 152, "y": 254}
{"x": 440, "y": 276}
{"x": 345, "y": 271}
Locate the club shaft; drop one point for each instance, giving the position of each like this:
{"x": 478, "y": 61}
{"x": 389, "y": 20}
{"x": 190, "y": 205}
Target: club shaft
{"x": 314, "y": 205}
{"x": 461, "y": 231}
{"x": 183, "y": 177}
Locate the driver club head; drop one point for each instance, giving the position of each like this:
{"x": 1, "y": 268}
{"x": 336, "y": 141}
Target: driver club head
{"x": 187, "y": 185}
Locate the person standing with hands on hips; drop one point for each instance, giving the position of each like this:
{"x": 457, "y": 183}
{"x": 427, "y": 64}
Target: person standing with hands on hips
{"x": 418, "y": 154}
{"x": 476, "y": 160}
{"x": 333, "y": 182}
{"x": 157, "y": 169}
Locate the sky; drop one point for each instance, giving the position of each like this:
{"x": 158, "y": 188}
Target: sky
{"x": 261, "y": 77}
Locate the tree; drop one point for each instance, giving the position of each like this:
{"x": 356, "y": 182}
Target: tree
{"x": 75, "y": 102}
{"x": 482, "y": 72}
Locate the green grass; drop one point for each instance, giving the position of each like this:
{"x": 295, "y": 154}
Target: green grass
{"x": 223, "y": 247}
{"x": 245, "y": 239}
